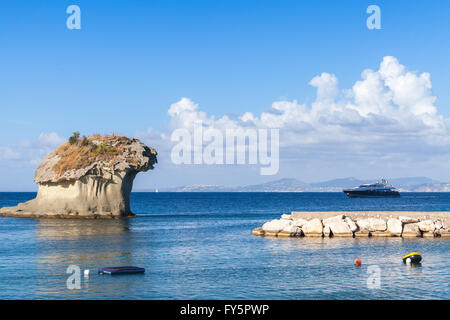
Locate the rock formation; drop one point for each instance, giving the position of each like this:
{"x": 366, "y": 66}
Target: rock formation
{"x": 87, "y": 178}
{"x": 358, "y": 224}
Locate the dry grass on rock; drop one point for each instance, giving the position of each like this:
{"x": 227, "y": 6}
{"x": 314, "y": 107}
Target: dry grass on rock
{"x": 80, "y": 153}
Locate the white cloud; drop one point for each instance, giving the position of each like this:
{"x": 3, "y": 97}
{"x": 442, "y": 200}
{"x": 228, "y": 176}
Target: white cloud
{"x": 387, "y": 118}
{"x": 185, "y": 114}
{"x": 50, "y": 139}
{"x": 31, "y": 152}
{"x": 327, "y": 86}
{"x": 388, "y": 114}
{"x": 7, "y": 154}
{"x": 387, "y": 106}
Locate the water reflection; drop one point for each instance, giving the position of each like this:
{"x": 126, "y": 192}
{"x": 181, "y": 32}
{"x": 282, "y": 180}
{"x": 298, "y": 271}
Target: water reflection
{"x": 72, "y": 229}
{"x": 89, "y": 244}
{"x": 318, "y": 243}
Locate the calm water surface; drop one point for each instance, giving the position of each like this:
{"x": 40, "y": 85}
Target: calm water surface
{"x": 199, "y": 246}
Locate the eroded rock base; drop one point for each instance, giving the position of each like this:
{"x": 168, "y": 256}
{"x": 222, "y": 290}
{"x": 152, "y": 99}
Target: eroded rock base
{"x": 90, "y": 197}
{"x": 23, "y": 214}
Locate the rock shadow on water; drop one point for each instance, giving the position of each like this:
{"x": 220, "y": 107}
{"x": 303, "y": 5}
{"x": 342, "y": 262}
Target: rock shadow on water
{"x": 90, "y": 245}
{"x": 84, "y": 243}
{"x": 65, "y": 229}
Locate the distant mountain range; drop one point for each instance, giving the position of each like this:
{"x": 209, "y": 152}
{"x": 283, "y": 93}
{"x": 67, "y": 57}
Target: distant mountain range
{"x": 415, "y": 184}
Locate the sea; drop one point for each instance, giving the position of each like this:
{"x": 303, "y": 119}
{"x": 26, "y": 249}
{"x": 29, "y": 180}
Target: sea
{"x": 200, "y": 246}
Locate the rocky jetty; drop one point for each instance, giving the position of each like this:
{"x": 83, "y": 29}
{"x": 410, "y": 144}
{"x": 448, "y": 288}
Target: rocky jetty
{"x": 88, "y": 177}
{"x": 358, "y": 224}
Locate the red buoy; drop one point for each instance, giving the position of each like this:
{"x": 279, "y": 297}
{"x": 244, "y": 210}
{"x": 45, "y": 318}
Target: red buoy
{"x": 358, "y": 262}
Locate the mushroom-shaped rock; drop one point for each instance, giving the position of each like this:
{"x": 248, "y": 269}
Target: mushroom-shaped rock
{"x": 88, "y": 177}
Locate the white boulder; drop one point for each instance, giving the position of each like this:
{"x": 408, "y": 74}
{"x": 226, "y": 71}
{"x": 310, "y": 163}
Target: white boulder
{"x": 291, "y": 229}
{"x": 351, "y": 224}
{"x": 372, "y": 224}
{"x": 276, "y": 225}
{"x": 337, "y": 218}
{"x": 299, "y": 222}
{"x": 427, "y": 226}
{"x": 313, "y": 227}
{"x": 327, "y": 231}
{"x": 340, "y": 228}
{"x": 411, "y": 230}
{"x": 438, "y": 224}
{"x": 394, "y": 226}
{"x": 404, "y": 219}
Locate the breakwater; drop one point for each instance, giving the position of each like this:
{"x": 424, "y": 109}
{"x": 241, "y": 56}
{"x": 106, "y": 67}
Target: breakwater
{"x": 406, "y": 224}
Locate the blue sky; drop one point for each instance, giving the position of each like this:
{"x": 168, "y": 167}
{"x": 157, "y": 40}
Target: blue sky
{"x": 132, "y": 59}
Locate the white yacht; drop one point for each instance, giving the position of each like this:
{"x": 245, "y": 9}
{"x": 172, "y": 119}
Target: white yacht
{"x": 379, "y": 189}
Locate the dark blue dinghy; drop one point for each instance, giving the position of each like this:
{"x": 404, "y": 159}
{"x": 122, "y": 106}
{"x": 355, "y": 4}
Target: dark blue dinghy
{"x": 121, "y": 270}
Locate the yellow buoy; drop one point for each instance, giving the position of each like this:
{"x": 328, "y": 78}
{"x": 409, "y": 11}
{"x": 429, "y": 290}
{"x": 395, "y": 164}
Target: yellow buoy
{"x": 413, "y": 257}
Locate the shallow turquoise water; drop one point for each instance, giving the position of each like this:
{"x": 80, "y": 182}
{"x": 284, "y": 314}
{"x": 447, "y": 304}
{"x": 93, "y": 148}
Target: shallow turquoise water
{"x": 199, "y": 246}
